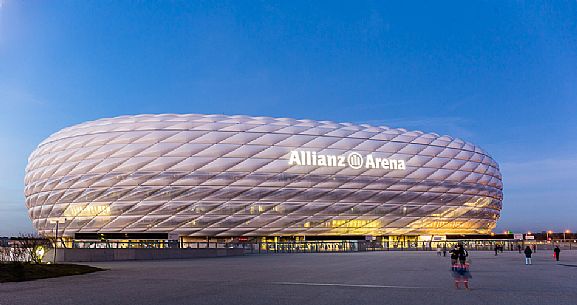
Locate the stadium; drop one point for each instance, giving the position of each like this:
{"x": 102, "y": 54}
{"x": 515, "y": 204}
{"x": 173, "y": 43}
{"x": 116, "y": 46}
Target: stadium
{"x": 192, "y": 176}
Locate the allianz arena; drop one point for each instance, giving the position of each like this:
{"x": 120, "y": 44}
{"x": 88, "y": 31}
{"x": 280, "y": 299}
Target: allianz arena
{"x": 232, "y": 176}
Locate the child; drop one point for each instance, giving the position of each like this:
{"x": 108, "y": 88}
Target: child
{"x": 461, "y": 273}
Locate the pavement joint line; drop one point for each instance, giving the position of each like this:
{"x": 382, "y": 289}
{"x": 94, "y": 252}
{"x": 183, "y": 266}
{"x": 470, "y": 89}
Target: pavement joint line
{"x": 350, "y": 285}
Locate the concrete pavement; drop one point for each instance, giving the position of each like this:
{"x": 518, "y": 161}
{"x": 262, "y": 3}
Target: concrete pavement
{"x": 322, "y": 278}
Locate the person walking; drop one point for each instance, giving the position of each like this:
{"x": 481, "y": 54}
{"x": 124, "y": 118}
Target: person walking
{"x": 496, "y": 249}
{"x": 439, "y": 250}
{"x": 462, "y": 254}
{"x": 445, "y": 250}
{"x": 454, "y": 255}
{"x": 528, "y": 253}
{"x": 519, "y": 248}
{"x": 557, "y": 251}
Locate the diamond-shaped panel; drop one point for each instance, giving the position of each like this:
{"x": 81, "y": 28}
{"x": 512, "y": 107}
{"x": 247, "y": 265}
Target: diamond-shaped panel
{"x": 218, "y": 175}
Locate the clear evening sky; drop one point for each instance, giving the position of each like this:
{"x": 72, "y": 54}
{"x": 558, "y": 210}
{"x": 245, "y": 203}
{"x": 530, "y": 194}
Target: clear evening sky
{"x": 501, "y": 74}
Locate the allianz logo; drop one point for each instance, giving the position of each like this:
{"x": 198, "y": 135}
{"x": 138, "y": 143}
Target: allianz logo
{"x": 353, "y": 160}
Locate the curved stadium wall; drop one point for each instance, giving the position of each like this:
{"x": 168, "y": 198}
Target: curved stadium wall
{"x": 218, "y": 175}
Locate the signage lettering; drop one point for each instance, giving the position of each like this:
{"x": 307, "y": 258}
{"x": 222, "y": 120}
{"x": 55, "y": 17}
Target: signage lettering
{"x": 353, "y": 160}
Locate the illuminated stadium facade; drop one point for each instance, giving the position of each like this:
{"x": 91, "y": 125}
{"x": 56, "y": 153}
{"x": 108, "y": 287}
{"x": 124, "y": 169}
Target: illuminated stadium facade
{"x": 240, "y": 176}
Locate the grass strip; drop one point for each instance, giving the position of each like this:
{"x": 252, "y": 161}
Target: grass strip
{"x": 20, "y": 272}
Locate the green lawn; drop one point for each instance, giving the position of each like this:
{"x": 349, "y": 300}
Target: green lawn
{"x": 18, "y": 272}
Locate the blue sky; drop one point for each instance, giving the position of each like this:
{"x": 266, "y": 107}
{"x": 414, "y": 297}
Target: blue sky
{"x": 501, "y": 75}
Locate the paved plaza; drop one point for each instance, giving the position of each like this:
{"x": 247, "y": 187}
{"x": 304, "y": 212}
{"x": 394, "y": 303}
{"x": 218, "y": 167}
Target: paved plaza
{"x": 321, "y": 278}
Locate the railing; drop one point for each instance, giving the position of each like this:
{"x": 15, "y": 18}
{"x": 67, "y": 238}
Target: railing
{"x": 307, "y": 246}
{"x": 314, "y": 246}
